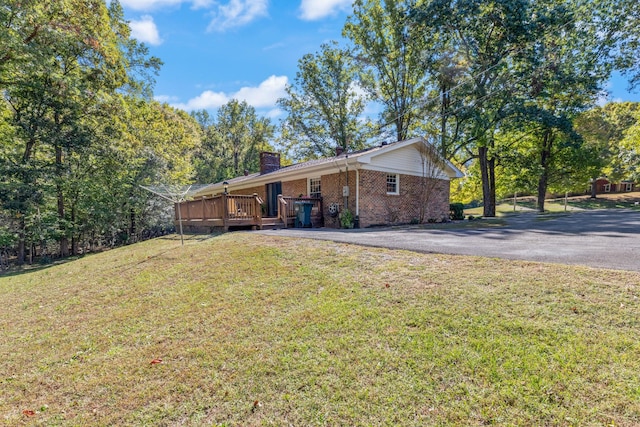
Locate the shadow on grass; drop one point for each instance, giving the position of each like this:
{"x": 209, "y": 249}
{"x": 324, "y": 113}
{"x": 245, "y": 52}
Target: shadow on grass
{"x": 16, "y": 270}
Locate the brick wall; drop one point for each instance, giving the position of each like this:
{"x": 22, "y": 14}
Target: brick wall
{"x": 269, "y": 162}
{"x": 331, "y": 186}
{"x": 378, "y": 208}
{"x": 294, "y": 188}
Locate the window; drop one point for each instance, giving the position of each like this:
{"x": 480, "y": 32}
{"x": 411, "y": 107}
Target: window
{"x": 315, "y": 190}
{"x": 392, "y": 183}
{"x": 607, "y": 188}
{"x": 629, "y": 186}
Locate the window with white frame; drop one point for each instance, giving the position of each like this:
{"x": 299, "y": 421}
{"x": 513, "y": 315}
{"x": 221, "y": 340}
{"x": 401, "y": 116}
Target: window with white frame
{"x": 393, "y": 183}
{"x": 315, "y": 190}
{"x": 607, "y": 188}
{"x": 629, "y": 186}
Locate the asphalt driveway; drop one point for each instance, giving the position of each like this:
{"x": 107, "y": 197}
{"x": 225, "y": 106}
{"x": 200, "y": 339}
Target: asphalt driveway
{"x": 599, "y": 238}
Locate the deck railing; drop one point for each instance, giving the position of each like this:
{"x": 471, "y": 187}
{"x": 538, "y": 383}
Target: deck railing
{"x": 287, "y": 210}
{"x": 224, "y": 210}
{"x": 227, "y": 210}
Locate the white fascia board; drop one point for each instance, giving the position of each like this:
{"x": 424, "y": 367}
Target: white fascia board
{"x": 453, "y": 171}
{"x": 442, "y": 175}
{"x": 314, "y": 171}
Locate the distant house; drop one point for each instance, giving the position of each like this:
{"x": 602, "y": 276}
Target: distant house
{"x": 604, "y": 185}
{"x": 401, "y": 182}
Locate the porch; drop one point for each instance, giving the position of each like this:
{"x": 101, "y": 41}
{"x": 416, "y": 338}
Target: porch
{"x": 241, "y": 211}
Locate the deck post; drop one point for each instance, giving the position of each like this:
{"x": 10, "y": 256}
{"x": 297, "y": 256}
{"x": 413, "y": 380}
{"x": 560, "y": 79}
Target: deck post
{"x": 225, "y": 211}
{"x": 282, "y": 209}
{"x": 258, "y": 210}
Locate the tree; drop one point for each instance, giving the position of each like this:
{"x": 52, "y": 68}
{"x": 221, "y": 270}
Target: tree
{"x": 607, "y": 131}
{"x": 233, "y": 142}
{"x": 392, "y": 50}
{"x": 628, "y": 159}
{"x": 433, "y": 165}
{"x": 325, "y": 105}
{"x": 63, "y": 64}
{"x": 488, "y": 37}
{"x": 545, "y": 59}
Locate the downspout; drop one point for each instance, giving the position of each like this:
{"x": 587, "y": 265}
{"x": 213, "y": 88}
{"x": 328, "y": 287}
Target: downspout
{"x": 357, "y": 192}
{"x": 346, "y": 165}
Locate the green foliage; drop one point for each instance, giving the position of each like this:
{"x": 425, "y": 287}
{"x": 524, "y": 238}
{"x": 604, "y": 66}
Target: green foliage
{"x": 456, "y": 211}
{"x": 346, "y": 219}
{"x": 324, "y": 106}
{"x": 232, "y": 142}
{"x": 73, "y": 149}
{"x": 608, "y": 133}
{"x": 391, "y": 51}
{"x": 7, "y": 238}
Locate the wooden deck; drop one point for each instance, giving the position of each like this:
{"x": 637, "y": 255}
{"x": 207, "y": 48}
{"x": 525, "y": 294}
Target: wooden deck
{"x": 240, "y": 211}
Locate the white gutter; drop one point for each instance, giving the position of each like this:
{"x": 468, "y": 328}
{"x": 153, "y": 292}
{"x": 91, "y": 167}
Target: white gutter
{"x": 357, "y": 192}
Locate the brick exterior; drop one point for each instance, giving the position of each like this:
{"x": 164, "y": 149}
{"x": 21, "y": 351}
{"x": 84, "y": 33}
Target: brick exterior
{"x": 294, "y": 188}
{"x": 376, "y": 206}
{"x": 269, "y": 162}
{"x": 379, "y": 208}
{"x": 331, "y": 186}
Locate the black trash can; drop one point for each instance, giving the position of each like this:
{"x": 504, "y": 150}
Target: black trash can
{"x": 303, "y": 214}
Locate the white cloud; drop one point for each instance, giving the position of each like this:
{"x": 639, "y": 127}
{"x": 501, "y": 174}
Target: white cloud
{"x": 264, "y": 95}
{"x": 166, "y": 98}
{"x": 237, "y": 13}
{"x": 145, "y": 30}
{"x": 274, "y": 113}
{"x": 207, "y": 99}
{"x": 201, "y": 4}
{"x": 311, "y": 10}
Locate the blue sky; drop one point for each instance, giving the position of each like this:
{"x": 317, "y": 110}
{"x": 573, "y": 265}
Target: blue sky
{"x": 217, "y": 50}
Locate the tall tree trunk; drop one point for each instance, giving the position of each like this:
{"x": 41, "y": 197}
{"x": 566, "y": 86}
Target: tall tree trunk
{"x": 21, "y": 249}
{"x": 487, "y": 172}
{"x": 64, "y": 240}
{"x": 74, "y": 239}
{"x": 491, "y": 212}
{"x": 545, "y": 159}
{"x": 132, "y": 225}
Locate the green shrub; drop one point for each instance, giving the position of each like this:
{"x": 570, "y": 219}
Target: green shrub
{"x": 456, "y": 211}
{"x": 346, "y": 219}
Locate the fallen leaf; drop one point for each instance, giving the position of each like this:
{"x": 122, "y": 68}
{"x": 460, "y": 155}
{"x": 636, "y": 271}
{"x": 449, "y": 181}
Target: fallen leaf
{"x": 386, "y": 285}
{"x": 29, "y": 413}
{"x": 156, "y": 361}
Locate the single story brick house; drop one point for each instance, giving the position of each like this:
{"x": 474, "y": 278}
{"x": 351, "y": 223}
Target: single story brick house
{"x": 395, "y": 183}
{"x": 603, "y": 185}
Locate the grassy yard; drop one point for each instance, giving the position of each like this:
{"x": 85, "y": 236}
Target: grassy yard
{"x": 245, "y": 330}
{"x": 577, "y": 203}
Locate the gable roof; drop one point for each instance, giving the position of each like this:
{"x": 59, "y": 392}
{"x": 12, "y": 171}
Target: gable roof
{"x": 371, "y": 158}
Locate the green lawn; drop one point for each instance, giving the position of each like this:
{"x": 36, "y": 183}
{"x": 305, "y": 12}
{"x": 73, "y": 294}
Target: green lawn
{"x": 258, "y": 330}
{"x": 577, "y": 203}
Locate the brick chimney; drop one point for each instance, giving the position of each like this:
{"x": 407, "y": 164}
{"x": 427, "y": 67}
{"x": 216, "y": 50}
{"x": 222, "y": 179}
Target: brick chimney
{"x": 269, "y": 162}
